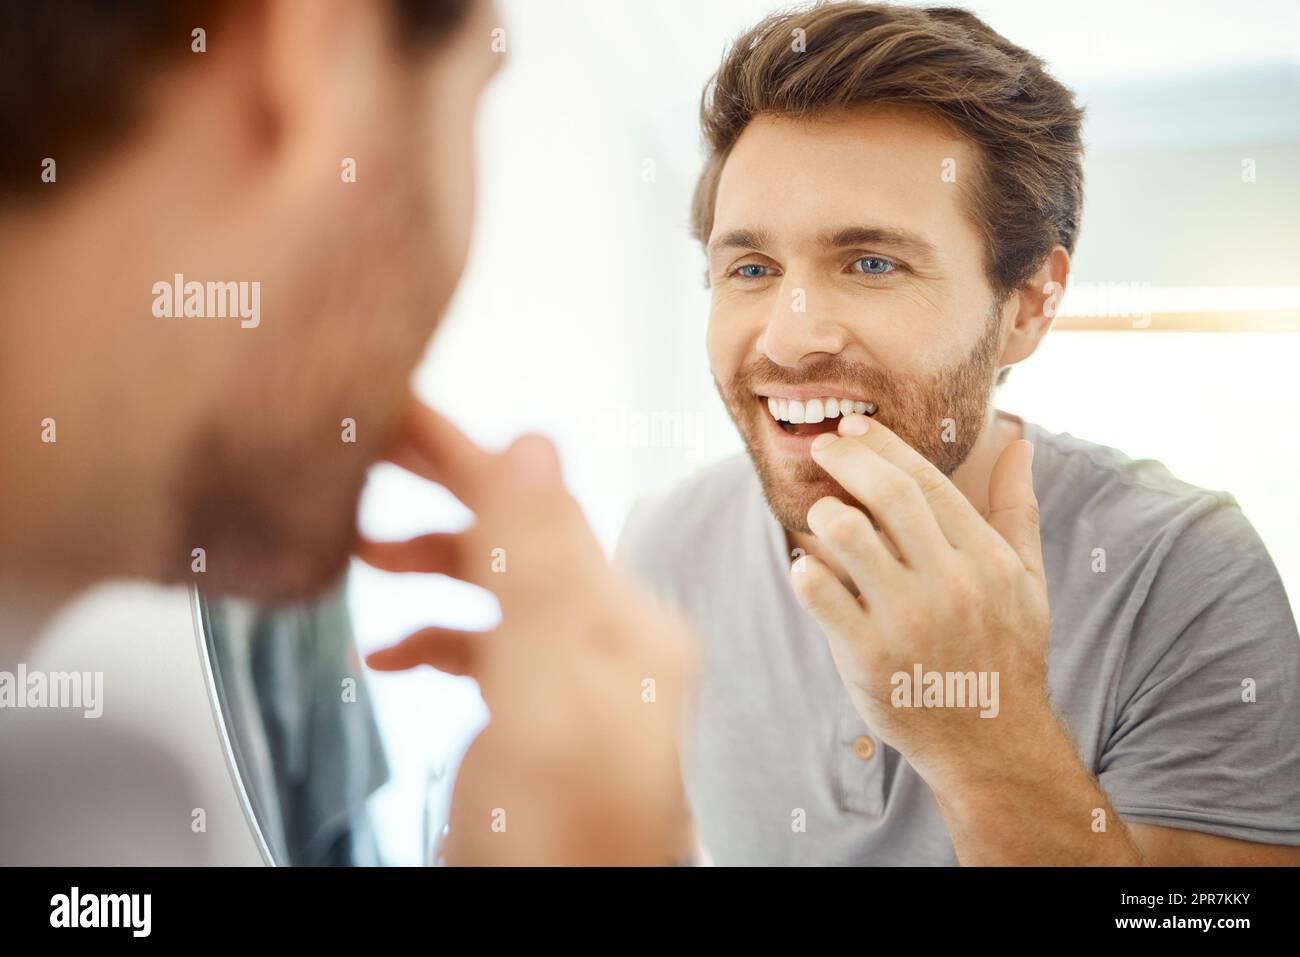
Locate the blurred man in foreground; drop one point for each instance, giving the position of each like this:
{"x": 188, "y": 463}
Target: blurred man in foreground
{"x": 227, "y": 233}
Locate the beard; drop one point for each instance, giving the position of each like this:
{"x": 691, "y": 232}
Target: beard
{"x": 276, "y": 511}
{"x": 267, "y": 485}
{"x": 940, "y": 416}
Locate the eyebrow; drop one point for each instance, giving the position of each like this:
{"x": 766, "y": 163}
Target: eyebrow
{"x": 908, "y": 242}
{"x": 901, "y": 239}
{"x": 741, "y": 239}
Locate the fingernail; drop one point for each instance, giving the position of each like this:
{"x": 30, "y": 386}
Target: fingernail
{"x": 823, "y": 440}
{"x": 854, "y": 425}
{"x": 533, "y": 459}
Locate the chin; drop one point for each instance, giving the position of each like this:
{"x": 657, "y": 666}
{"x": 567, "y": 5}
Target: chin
{"x": 273, "y": 572}
{"x": 790, "y": 499}
{"x": 792, "y": 485}
{"x": 268, "y": 532}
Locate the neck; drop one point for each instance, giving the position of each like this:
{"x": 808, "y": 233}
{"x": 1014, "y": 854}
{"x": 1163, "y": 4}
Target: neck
{"x": 82, "y": 491}
{"x": 971, "y": 478}
{"x": 89, "y": 449}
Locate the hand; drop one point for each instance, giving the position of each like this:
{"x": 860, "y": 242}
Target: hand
{"x": 937, "y": 585}
{"x": 586, "y": 677}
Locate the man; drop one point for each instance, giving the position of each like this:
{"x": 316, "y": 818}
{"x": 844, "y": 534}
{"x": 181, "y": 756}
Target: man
{"x": 227, "y": 232}
{"x": 936, "y": 633}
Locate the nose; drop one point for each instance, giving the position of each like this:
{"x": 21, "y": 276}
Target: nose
{"x": 800, "y": 326}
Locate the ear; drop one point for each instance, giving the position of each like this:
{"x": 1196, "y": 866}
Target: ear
{"x": 326, "y": 65}
{"x": 1034, "y": 305}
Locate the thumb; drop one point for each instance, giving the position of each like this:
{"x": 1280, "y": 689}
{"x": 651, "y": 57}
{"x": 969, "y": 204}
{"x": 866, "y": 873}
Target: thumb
{"x": 1013, "y": 506}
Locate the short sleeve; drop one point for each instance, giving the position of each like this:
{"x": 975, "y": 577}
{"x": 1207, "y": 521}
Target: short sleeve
{"x": 1207, "y": 729}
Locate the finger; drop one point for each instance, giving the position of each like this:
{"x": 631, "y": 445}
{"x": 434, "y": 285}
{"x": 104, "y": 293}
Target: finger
{"x": 1013, "y": 506}
{"x": 893, "y": 499}
{"x": 532, "y": 463}
{"x": 454, "y": 652}
{"x": 839, "y": 615}
{"x": 431, "y": 447}
{"x": 434, "y": 554}
{"x": 959, "y": 520}
{"x": 850, "y": 537}
{"x": 823, "y": 595}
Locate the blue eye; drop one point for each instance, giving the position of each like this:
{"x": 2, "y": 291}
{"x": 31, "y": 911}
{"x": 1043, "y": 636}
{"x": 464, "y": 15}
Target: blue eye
{"x": 875, "y": 266}
{"x": 751, "y": 271}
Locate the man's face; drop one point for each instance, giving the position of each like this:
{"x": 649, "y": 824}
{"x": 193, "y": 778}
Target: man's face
{"x": 844, "y": 266}
{"x": 314, "y": 150}
{"x": 355, "y": 278}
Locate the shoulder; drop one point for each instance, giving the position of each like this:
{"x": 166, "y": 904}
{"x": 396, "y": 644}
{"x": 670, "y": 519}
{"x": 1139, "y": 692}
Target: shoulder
{"x": 1085, "y": 488}
{"x": 1176, "y": 548}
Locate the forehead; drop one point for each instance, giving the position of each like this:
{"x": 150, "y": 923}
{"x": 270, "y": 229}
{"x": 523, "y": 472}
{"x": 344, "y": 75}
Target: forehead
{"x": 876, "y": 165}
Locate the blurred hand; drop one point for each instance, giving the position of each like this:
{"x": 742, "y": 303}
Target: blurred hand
{"x": 586, "y": 677}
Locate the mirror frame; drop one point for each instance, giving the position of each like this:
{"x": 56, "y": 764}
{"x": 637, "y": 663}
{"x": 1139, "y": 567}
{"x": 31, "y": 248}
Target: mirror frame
{"x": 236, "y": 761}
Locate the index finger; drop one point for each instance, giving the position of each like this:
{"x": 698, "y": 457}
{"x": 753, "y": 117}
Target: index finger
{"x": 960, "y": 522}
{"x": 429, "y": 446}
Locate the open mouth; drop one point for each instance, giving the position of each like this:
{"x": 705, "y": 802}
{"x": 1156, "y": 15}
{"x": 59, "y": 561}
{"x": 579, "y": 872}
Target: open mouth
{"x": 813, "y": 416}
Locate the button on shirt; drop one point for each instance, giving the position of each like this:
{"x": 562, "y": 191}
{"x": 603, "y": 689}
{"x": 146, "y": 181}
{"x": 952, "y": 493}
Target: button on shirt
{"x": 1166, "y": 610}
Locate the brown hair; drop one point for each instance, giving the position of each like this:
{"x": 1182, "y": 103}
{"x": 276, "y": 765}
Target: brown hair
{"x": 72, "y": 72}
{"x": 1026, "y": 195}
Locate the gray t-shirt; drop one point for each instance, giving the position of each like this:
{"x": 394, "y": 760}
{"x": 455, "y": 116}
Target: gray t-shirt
{"x": 1165, "y": 608}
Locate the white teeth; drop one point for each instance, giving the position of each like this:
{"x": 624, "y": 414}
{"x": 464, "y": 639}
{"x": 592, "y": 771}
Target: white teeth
{"x": 799, "y": 411}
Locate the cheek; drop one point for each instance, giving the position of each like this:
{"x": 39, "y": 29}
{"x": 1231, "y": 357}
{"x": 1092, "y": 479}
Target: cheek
{"x": 729, "y": 341}
{"x": 448, "y": 174}
{"x": 895, "y": 347}
{"x": 905, "y": 330}
{"x": 452, "y": 199}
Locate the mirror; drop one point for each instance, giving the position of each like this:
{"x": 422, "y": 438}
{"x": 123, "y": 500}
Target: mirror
{"x": 301, "y": 739}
